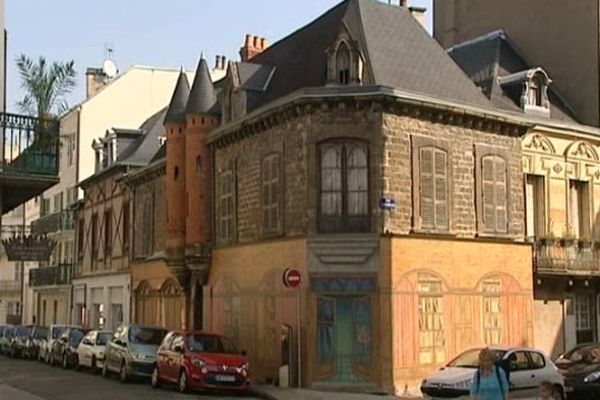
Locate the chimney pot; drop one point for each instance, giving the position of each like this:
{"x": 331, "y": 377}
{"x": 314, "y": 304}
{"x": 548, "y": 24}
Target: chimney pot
{"x": 217, "y": 62}
{"x": 263, "y": 43}
{"x": 419, "y": 14}
{"x": 256, "y": 39}
{"x": 223, "y": 62}
{"x": 248, "y": 40}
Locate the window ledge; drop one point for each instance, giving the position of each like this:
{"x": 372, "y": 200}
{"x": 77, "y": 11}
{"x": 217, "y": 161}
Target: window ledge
{"x": 502, "y": 236}
{"x": 437, "y": 232}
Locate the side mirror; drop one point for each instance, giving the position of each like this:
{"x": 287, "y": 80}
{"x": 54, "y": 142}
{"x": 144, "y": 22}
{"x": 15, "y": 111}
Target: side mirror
{"x": 179, "y": 349}
{"x": 243, "y": 353}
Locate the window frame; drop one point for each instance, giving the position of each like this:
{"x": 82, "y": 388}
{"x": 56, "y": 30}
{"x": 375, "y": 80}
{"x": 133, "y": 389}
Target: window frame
{"x": 273, "y": 161}
{"x": 125, "y": 209}
{"x": 223, "y": 216}
{"x": 344, "y": 223}
{"x": 418, "y": 143}
{"x": 481, "y": 152}
{"x": 108, "y": 234}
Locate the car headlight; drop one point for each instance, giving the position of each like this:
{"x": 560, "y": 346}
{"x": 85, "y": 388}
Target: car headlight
{"x": 593, "y": 377}
{"x": 199, "y": 363}
{"x": 464, "y": 385}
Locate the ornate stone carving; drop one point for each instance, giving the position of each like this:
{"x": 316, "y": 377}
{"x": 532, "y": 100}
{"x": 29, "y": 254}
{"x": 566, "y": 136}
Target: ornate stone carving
{"x": 557, "y": 168}
{"x": 582, "y": 150}
{"x": 538, "y": 142}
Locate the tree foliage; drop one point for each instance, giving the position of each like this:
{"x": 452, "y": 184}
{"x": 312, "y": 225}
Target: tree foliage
{"x": 46, "y": 86}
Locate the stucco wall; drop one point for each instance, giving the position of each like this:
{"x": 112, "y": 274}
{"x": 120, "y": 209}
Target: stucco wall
{"x": 460, "y": 267}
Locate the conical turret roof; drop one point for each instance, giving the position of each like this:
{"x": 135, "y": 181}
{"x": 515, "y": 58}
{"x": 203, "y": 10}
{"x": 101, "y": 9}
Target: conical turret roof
{"x": 203, "y": 97}
{"x": 176, "y": 110}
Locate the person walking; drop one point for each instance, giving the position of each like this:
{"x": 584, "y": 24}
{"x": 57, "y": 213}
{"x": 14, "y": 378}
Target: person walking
{"x": 490, "y": 381}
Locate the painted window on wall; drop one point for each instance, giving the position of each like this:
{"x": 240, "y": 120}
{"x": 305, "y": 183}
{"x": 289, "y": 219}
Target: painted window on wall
{"x": 362, "y": 331}
{"x": 431, "y": 320}
{"x": 492, "y": 329}
{"x": 326, "y": 321}
{"x": 584, "y": 319}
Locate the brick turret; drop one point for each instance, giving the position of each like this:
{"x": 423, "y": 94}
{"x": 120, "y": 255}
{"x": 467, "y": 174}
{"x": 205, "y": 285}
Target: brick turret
{"x": 175, "y": 126}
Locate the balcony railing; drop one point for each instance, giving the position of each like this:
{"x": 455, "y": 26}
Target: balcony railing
{"x": 567, "y": 257}
{"x": 59, "y": 221}
{"x": 30, "y": 145}
{"x": 51, "y": 276}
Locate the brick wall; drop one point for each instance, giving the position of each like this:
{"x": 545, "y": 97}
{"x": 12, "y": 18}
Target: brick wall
{"x": 397, "y": 179}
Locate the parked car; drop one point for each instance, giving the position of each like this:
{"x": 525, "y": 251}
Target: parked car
{"x": 581, "y": 368}
{"x": 528, "y": 368}
{"x": 54, "y": 332}
{"x": 132, "y": 351}
{"x": 201, "y": 361}
{"x": 8, "y": 332}
{"x": 18, "y": 341}
{"x": 64, "y": 350}
{"x": 90, "y": 353}
{"x": 37, "y": 339}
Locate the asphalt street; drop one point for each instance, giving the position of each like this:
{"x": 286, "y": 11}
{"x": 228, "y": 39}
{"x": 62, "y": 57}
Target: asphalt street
{"x": 30, "y": 380}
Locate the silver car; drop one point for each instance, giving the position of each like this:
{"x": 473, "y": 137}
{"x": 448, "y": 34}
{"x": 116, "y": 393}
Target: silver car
{"x": 90, "y": 352}
{"x": 528, "y": 369}
{"x": 132, "y": 351}
{"x": 54, "y": 332}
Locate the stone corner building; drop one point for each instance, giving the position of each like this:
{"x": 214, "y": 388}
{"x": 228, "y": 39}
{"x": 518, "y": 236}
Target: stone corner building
{"x": 284, "y": 164}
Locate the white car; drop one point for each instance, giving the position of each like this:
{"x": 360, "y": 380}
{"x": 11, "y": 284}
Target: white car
{"x": 90, "y": 352}
{"x": 528, "y": 369}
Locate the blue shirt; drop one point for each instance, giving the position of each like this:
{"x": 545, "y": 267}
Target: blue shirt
{"x": 489, "y": 387}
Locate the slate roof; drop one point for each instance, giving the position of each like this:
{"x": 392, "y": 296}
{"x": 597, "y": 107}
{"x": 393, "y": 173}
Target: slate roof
{"x": 492, "y": 56}
{"x": 203, "y": 96}
{"x": 176, "y": 109}
{"x": 398, "y": 53}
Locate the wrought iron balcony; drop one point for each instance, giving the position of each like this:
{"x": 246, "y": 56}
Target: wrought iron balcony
{"x": 51, "y": 276}
{"x": 30, "y": 154}
{"x": 567, "y": 257}
{"x": 59, "y": 221}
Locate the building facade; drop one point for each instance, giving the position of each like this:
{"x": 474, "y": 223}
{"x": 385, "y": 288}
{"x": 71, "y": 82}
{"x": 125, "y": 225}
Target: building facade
{"x": 338, "y": 165}
{"x": 571, "y": 26}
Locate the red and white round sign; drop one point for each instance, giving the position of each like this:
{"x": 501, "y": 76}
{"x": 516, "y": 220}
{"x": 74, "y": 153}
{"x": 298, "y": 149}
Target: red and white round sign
{"x": 291, "y": 278}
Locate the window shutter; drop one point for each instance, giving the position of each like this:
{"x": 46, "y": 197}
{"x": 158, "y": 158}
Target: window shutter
{"x": 500, "y": 184}
{"x": 266, "y": 197}
{"x": 487, "y": 190}
{"x": 441, "y": 190}
{"x": 427, "y": 188}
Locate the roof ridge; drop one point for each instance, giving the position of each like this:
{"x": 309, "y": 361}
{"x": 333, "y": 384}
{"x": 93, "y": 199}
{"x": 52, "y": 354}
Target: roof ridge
{"x": 498, "y": 33}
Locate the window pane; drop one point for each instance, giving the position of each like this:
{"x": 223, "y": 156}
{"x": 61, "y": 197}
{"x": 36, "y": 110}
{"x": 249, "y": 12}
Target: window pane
{"x": 331, "y": 204}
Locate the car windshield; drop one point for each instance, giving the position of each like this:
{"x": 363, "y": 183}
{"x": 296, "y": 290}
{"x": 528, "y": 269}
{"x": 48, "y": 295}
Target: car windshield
{"x": 75, "y": 336}
{"x": 9, "y": 333}
{"x": 151, "y": 336}
{"x": 588, "y": 354}
{"x": 40, "y": 332}
{"x": 470, "y": 358}
{"x": 211, "y": 344}
{"x": 57, "y": 331}
{"x": 2, "y": 330}
{"x": 103, "y": 338}
{"x": 22, "y": 331}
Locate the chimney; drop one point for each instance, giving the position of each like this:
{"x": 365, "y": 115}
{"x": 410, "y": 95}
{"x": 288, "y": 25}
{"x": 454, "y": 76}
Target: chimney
{"x": 95, "y": 80}
{"x": 253, "y": 45}
{"x": 418, "y": 13}
{"x": 223, "y": 62}
{"x": 218, "y": 62}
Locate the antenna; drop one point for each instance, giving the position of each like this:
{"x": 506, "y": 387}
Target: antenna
{"x": 109, "y": 67}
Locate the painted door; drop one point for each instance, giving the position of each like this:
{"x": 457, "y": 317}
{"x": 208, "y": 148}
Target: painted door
{"x": 344, "y": 339}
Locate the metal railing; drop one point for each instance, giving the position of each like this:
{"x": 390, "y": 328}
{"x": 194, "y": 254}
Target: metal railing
{"x": 30, "y": 145}
{"x": 51, "y": 276}
{"x": 59, "y": 221}
{"x": 567, "y": 257}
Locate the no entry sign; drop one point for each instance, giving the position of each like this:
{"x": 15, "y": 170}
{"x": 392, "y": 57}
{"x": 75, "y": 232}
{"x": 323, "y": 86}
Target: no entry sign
{"x": 291, "y": 278}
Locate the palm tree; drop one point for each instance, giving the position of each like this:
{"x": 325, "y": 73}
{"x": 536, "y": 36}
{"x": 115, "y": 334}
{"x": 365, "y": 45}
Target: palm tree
{"x": 45, "y": 86}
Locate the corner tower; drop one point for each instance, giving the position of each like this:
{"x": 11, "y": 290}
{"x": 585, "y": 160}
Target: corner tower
{"x": 175, "y": 125}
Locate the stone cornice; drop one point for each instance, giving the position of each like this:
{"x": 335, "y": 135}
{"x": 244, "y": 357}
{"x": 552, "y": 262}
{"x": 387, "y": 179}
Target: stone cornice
{"x": 375, "y": 98}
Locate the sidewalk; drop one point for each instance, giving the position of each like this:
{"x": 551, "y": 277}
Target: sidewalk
{"x": 9, "y": 393}
{"x": 268, "y": 392}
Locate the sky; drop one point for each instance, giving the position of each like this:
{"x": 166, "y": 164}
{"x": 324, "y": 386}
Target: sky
{"x": 164, "y": 33}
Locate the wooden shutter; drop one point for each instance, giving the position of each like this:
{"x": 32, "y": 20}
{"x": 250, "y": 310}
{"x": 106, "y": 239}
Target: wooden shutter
{"x": 427, "y": 192}
{"x": 487, "y": 193}
{"x": 500, "y": 187}
{"x": 441, "y": 190}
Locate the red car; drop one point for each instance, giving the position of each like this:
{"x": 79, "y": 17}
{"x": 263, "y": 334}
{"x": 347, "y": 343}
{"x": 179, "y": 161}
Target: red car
{"x": 200, "y": 361}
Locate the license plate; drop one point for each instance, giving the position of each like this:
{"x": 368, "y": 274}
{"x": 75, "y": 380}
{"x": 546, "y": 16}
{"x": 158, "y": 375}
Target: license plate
{"x": 568, "y": 389}
{"x": 225, "y": 378}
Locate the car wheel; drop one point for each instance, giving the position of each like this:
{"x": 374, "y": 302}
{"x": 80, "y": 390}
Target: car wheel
{"x": 123, "y": 377}
{"x": 560, "y": 392}
{"x": 155, "y": 378}
{"x": 65, "y": 361}
{"x": 183, "y": 385}
{"x": 94, "y": 366}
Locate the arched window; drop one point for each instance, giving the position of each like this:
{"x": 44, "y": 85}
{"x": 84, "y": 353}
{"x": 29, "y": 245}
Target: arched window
{"x": 344, "y": 194}
{"x": 343, "y": 64}
{"x": 492, "y": 317}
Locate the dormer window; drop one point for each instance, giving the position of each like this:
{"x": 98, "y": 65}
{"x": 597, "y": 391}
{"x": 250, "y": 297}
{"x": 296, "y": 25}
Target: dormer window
{"x": 535, "y": 92}
{"x": 530, "y": 88}
{"x": 343, "y": 64}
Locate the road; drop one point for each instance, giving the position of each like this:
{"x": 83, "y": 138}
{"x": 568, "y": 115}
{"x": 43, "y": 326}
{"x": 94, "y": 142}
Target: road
{"x": 29, "y": 380}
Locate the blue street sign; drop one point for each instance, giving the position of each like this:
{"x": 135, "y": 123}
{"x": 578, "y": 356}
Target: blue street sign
{"x": 387, "y": 204}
